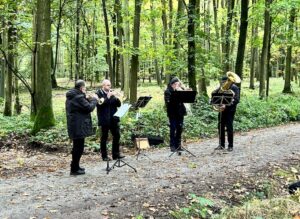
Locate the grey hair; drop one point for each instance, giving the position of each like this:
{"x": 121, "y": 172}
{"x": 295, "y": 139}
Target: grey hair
{"x": 104, "y": 81}
{"x": 79, "y": 83}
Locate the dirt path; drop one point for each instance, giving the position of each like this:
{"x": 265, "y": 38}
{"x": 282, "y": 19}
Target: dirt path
{"x": 156, "y": 187}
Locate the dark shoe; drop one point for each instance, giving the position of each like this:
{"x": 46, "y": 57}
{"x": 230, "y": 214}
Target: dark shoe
{"x": 179, "y": 149}
{"x": 106, "y": 159}
{"x": 119, "y": 157}
{"x": 78, "y": 172}
{"x": 220, "y": 148}
{"x": 173, "y": 149}
{"x": 82, "y": 168}
{"x": 230, "y": 149}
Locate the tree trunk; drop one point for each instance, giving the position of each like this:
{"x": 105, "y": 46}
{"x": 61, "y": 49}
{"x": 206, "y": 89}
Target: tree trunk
{"x": 77, "y": 64}
{"x": 287, "y": 79}
{"x": 253, "y": 53}
{"x": 44, "y": 118}
{"x": 108, "y": 55}
{"x": 216, "y": 25}
{"x": 191, "y": 45}
{"x": 9, "y": 75}
{"x": 18, "y": 106}
{"x": 2, "y": 62}
{"x": 135, "y": 57}
{"x": 242, "y": 38}
{"x": 126, "y": 54}
{"x": 153, "y": 29}
{"x": 230, "y": 7}
{"x": 164, "y": 37}
{"x": 264, "y": 51}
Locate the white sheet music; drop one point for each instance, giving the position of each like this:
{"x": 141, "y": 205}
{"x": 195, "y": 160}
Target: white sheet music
{"x": 122, "y": 110}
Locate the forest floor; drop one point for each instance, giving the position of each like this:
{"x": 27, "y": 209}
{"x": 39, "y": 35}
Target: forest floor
{"x": 37, "y": 184}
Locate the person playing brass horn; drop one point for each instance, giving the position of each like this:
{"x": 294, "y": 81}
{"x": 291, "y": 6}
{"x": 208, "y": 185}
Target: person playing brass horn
{"x": 106, "y": 108}
{"x": 176, "y": 112}
{"x": 227, "y": 112}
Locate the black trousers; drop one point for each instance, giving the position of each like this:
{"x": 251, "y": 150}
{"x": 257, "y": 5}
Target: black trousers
{"x": 226, "y": 120}
{"x": 176, "y": 126}
{"x": 115, "y": 131}
{"x": 77, "y": 151}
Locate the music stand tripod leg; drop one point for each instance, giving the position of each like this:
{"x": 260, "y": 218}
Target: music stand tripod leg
{"x": 118, "y": 164}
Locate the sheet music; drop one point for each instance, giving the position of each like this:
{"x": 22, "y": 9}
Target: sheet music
{"x": 122, "y": 110}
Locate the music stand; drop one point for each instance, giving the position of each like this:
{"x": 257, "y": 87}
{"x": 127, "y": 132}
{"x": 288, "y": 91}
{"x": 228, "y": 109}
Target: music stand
{"x": 185, "y": 96}
{"x": 119, "y": 162}
{"x": 140, "y": 103}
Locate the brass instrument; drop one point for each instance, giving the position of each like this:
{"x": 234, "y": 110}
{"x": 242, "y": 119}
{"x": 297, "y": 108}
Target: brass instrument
{"x": 225, "y": 89}
{"x": 115, "y": 93}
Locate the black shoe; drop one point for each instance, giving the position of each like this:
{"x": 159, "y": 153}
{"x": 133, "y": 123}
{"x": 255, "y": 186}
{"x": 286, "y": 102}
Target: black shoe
{"x": 173, "y": 149}
{"x": 119, "y": 157}
{"x": 78, "y": 172}
{"x": 106, "y": 159}
{"x": 230, "y": 149}
{"x": 179, "y": 149}
{"x": 220, "y": 148}
{"x": 82, "y": 168}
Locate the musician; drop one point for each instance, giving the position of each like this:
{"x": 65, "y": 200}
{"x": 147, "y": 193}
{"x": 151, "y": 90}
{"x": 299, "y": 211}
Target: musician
{"x": 226, "y": 117}
{"x": 176, "y": 112}
{"x": 79, "y": 122}
{"x": 107, "y": 122}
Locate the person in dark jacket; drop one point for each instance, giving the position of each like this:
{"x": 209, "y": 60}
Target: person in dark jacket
{"x": 175, "y": 112}
{"x": 226, "y": 117}
{"x": 107, "y": 121}
{"x": 79, "y": 122}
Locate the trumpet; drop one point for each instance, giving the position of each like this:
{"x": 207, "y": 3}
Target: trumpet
{"x": 111, "y": 92}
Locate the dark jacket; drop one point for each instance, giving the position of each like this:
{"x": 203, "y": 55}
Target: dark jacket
{"x": 107, "y": 109}
{"x": 175, "y": 109}
{"x": 78, "y": 110}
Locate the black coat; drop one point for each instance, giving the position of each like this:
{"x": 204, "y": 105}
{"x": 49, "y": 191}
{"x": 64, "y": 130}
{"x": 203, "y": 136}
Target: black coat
{"x": 107, "y": 109}
{"x": 175, "y": 109}
{"x": 78, "y": 110}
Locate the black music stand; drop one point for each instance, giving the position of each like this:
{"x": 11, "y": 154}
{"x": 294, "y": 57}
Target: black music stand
{"x": 119, "y": 162}
{"x": 185, "y": 96}
{"x": 218, "y": 99}
{"x": 140, "y": 103}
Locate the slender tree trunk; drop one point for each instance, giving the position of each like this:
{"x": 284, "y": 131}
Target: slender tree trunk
{"x": 71, "y": 52}
{"x": 230, "y": 7}
{"x": 108, "y": 55}
{"x": 126, "y": 53}
{"x": 9, "y": 75}
{"x": 2, "y": 62}
{"x": 264, "y": 51}
{"x": 253, "y": 52}
{"x": 120, "y": 31}
{"x": 17, "y": 106}
{"x": 44, "y": 118}
{"x": 287, "y": 79}
{"x": 153, "y": 29}
{"x": 216, "y": 25}
{"x": 191, "y": 45}
{"x": 135, "y": 57}
{"x": 242, "y": 38}
{"x": 164, "y": 37}
{"x": 77, "y": 65}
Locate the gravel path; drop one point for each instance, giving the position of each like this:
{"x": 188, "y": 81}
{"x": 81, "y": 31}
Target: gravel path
{"x": 158, "y": 186}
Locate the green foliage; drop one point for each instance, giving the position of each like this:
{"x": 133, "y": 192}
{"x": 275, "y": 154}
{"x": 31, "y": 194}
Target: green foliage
{"x": 17, "y": 124}
{"x": 199, "y": 207}
{"x": 50, "y": 136}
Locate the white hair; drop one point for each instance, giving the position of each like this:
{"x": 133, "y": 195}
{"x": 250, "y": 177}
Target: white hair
{"x": 105, "y": 81}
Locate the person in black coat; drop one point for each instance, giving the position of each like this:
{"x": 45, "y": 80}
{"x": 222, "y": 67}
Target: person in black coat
{"x": 175, "y": 112}
{"x": 226, "y": 117}
{"x": 107, "y": 121}
{"x": 79, "y": 121}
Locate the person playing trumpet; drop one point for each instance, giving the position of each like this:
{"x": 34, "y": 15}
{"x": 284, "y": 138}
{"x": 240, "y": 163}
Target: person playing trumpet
{"x": 176, "y": 112}
{"x": 106, "y": 108}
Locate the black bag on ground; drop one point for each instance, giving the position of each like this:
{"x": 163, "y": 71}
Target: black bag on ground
{"x": 293, "y": 187}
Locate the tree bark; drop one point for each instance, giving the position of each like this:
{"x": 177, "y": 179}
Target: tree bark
{"x": 135, "y": 56}
{"x": 9, "y": 75}
{"x": 191, "y": 45}
{"x": 126, "y": 57}
{"x": 108, "y": 55}
{"x": 242, "y": 38}
{"x": 253, "y": 53}
{"x": 230, "y": 7}
{"x": 2, "y": 62}
{"x": 44, "y": 118}
{"x": 264, "y": 51}
{"x": 153, "y": 29}
{"x": 287, "y": 79}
